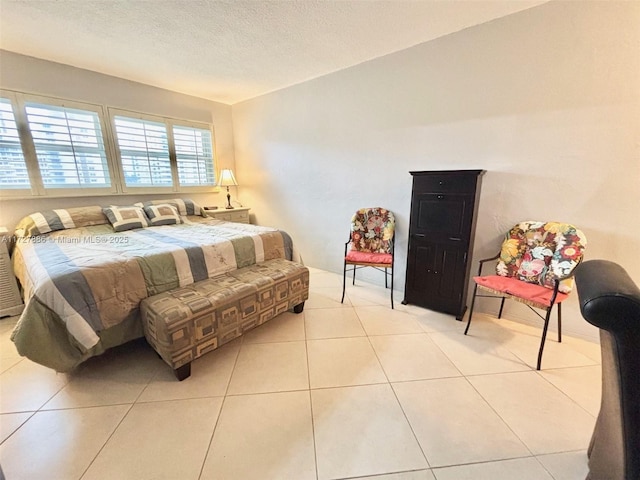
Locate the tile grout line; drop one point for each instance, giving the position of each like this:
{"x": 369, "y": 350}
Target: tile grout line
{"x": 496, "y": 412}
{"x": 313, "y": 424}
{"x": 539, "y": 374}
{"x": 544, "y": 468}
{"x": 445, "y": 353}
{"x": 84, "y": 472}
{"x": 415, "y": 437}
{"x": 224, "y": 399}
{"x": 131, "y": 405}
{"x": 19, "y": 426}
{"x": 487, "y": 462}
{"x": 381, "y": 475}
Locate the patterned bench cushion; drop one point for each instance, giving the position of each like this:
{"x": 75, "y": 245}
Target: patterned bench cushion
{"x": 185, "y": 323}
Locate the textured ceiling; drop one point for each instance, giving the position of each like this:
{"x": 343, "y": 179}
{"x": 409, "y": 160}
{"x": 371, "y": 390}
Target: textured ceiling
{"x": 229, "y": 51}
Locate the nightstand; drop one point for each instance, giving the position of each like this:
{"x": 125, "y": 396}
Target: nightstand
{"x": 238, "y": 215}
{"x": 10, "y": 299}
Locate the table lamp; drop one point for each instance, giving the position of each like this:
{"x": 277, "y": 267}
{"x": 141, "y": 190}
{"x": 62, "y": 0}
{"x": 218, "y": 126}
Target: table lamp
{"x": 226, "y": 180}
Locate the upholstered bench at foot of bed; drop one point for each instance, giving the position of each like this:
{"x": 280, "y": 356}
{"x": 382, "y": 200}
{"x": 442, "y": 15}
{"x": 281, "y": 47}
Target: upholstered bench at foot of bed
{"x": 185, "y": 323}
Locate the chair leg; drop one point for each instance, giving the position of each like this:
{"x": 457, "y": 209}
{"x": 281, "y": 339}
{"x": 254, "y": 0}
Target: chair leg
{"x": 385, "y": 276}
{"x": 559, "y": 323}
{"x": 354, "y": 275}
{"x": 473, "y": 301}
{"x": 544, "y": 336}
{"x": 385, "y": 279}
{"x": 501, "y": 307}
{"x": 344, "y": 281}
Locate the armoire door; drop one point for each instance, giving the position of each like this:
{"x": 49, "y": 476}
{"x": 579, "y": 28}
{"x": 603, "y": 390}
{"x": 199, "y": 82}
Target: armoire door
{"x": 436, "y": 274}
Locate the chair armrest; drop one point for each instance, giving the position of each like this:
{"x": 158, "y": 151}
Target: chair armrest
{"x": 609, "y": 299}
{"x": 346, "y": 245}
{"x": 484, "y": 260}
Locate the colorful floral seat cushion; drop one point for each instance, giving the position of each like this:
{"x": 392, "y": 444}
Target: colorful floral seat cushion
{"x": 539, "y": 253}
{"x": 372, "y": 231}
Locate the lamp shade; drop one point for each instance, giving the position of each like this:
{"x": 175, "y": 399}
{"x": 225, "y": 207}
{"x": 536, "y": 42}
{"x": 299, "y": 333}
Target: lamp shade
{"x": 226, "y": 178}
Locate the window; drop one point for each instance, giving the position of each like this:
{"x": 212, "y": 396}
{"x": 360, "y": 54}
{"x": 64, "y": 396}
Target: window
{"x": 194, "y": 156}
{"x": 164, "y": 153}
{"x": 57, "y": 147}
{"x": 144, "y": 152}
{"x": 69, "y": 146}
{"x": 13, "y": 168}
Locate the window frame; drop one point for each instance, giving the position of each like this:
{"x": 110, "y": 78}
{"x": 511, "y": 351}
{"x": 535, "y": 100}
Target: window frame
{"x": 23, "y": 100}
{"x": 196, "y": 126}
{"x": 169, "y": 123}
{"x": 28, "y": 152}
{"x": 38, "y": 189}
{"x": 106, "y": 116}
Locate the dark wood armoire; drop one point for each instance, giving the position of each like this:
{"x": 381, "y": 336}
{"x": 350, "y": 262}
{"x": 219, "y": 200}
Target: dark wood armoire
{"x": 444, "y": 208}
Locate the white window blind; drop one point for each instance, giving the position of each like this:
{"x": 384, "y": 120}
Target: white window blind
{"x": 13, "y": 169}
{"x": 69, "y": 146}
{"x": 194, "y": 156}
{"x": 144, "y": 152}
{"x": 60, "y": 147}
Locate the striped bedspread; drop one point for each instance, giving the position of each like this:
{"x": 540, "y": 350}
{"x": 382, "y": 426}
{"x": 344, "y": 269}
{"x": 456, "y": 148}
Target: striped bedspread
{"x": 93, "y": 278}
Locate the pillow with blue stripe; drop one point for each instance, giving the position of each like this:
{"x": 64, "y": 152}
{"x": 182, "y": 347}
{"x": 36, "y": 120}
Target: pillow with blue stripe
{"x": 39, "y": 223}
{"x": 126, "y": 218}
{"x": 184, "y": 206}
{"x": 162, "y": 214}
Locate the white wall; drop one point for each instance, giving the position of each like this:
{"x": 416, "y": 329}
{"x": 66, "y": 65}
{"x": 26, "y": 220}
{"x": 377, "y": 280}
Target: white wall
{"x": 31, "y": 75}
{"x": 546, "y": 100}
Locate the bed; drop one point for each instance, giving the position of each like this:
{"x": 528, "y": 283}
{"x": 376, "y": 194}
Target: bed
{"x": 83, "y": 280}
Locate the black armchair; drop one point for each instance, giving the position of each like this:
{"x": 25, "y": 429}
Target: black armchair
{"x": 610, "y": 300}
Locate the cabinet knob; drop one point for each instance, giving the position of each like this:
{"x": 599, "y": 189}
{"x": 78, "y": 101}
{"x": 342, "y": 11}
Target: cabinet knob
{"x": 441, "y": 182}
{"x": 440, "y": 197}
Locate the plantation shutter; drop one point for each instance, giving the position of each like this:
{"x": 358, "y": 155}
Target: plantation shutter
{"x": 69, "y": 146}
{"x": 194, "y": 156}
{"x": 144, "y": 152}
{"x": 13, "y": 168}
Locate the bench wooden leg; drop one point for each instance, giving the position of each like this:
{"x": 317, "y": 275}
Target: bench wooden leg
{"x": 298, "y": 308}
{"x": 183, "y": 372}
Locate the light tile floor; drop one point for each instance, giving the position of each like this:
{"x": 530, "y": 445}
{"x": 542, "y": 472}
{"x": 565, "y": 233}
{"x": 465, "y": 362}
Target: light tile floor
{"x": 353, "y": 390}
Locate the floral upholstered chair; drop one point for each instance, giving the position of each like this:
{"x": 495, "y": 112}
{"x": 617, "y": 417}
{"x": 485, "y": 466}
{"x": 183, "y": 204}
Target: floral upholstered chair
{"x": 370, "y": 244}
{"x": 535, "y": 267}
